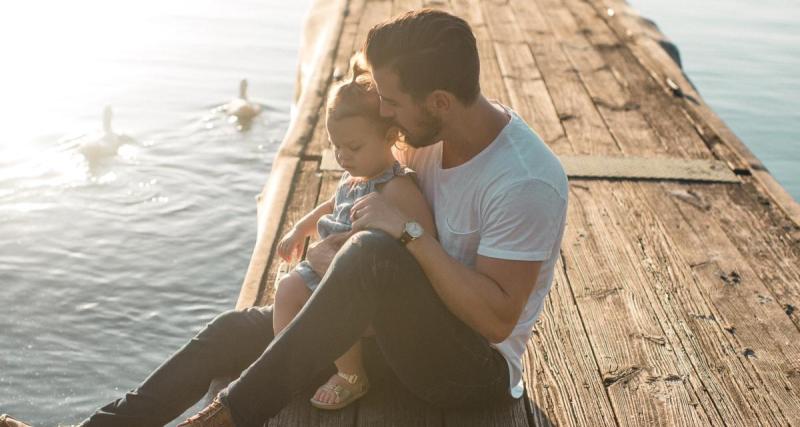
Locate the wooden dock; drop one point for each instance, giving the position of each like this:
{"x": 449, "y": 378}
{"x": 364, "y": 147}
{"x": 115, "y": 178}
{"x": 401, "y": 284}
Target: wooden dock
{"x": 676, "y": 299}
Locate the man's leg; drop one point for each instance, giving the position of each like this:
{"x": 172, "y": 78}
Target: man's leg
{"x": 224, "y": 347}
{"x": 435, "y": 353}
{"x": 438, "y": 357}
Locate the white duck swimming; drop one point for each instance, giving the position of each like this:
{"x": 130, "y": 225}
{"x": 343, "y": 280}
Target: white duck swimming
{"x": 241, "y": 107}
{"x": 96, "y": 147}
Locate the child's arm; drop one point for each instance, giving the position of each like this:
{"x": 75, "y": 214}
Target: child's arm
{"x": 308, "y": 224}
{"x": 292, "y": 243}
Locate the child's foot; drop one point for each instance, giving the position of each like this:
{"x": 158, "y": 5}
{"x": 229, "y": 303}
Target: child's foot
{"x": 340, "y": 391}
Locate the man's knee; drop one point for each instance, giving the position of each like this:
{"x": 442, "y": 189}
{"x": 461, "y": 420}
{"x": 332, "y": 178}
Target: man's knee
{"x": 380, "y": 260}
{"x": 373, "y": 241}
{"x": 234, "y": 324}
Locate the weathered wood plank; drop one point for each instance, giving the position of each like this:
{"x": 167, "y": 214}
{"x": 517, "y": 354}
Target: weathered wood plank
{"x": 391, "y": 405}
{"x": 491, "y": 81}
{"x": 300, "y": 413}
{"x": 627, "y": 24}
{"x": 584, "y": 126}
{"x": 562, "y": 376}
{"x": 270, "y": 203}
{"x": 319, "y": 140}
{"x": 768, "y": 239}
{"x": 506, "y": 414}
{"x": 698, "y": 330}
{"x": 637, "y": 41}
{"x": 375, "y": 12}
{"x": 634, "y": 331}
{"x": 614, "y": 103}
{"x": 662, "y": 111}
{"x": 303, "y": 198}
{"x": 344, "y": 52}
{"x": 296, "y": 414}
{"x": 760, "y": 332}
{"x": 526, "y": 89}
{"x": 311, "y": 99}
{"x": 403, "y": 6}
{"x": 647, "y": 375}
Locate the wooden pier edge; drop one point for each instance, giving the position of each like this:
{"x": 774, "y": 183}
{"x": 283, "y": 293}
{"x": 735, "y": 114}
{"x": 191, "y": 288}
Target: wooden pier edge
{"x": 674, "y": 302}
{"x": 644, "y": 39}
{"x": 272, "y": 200}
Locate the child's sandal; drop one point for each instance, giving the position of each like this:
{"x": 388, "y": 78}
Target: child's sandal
{"x": 346, "y": 394}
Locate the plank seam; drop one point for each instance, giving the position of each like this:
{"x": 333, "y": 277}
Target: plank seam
{"x": 609, "y": 401}
{"x": 647, "y": 118}
{"x": 684, "y": 347}
{"x": 583, "y": 82}
{"x": 765, "y": 180}
{"x": 733, "y": 340}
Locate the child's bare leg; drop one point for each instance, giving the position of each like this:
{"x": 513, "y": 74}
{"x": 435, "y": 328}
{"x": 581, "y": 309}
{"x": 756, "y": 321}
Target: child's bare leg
{"x": 290, "y": 297}
{"x": 350, "y": 362}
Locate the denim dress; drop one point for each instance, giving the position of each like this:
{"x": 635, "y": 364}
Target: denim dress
{"x": 347, "y": 192}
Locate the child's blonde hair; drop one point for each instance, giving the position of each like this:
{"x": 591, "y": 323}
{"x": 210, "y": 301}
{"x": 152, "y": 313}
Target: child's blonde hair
{"x": 357, "y": 97}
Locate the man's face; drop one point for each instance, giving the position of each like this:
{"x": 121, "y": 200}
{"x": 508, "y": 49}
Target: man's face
{"x": 420, "y": 127}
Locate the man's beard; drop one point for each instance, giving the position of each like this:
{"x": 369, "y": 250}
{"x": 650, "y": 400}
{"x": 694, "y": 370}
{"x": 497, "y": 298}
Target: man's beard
{"x": 430, "y": 126}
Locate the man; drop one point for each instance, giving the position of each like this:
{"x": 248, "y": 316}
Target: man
{"x": 451, "y": 317}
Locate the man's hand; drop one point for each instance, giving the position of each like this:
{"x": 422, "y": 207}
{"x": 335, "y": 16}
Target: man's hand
{"x": 374, "y": 211}
{"x": 321, "y": 253}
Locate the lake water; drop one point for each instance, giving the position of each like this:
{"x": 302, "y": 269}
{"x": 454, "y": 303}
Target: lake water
{"x": 744, "y": 57}
{"x": 107, "y": 268}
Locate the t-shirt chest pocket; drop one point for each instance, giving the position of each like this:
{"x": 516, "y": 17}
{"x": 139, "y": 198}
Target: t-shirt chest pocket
{"x": 460, "y": 234}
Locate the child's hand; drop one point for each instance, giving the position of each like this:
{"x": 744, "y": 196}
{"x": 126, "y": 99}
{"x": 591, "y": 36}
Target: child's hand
{"x": 291, "y": 245}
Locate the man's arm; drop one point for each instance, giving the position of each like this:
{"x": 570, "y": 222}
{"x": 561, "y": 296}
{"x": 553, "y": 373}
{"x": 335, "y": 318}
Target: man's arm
{"x": 489, "y": 299}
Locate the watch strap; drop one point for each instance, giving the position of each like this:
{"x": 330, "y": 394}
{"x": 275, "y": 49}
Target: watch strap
{"x": 405, "y": 238}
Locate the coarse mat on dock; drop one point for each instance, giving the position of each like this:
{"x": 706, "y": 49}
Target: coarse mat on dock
{"x": 675, "y": 299}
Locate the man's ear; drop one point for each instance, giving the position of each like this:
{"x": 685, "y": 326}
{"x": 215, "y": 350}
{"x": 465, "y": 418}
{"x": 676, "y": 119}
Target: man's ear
{"x": 440, "y": 101}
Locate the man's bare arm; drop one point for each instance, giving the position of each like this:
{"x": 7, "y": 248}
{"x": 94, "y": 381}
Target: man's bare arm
{"x": 489, "y": 298}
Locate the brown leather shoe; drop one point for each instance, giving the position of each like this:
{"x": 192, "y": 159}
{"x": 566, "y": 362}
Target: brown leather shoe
{"x": 7, "y": 421}
{"x": 214, "y": 415}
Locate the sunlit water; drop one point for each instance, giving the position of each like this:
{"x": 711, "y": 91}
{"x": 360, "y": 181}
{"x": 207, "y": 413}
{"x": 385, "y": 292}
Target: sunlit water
{"x": 106, "y": 269}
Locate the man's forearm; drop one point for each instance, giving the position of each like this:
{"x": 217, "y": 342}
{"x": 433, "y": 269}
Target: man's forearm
{"x": 473, "y": 297}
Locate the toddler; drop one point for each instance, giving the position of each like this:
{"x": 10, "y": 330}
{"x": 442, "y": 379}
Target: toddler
{"x": 362, "y": 142}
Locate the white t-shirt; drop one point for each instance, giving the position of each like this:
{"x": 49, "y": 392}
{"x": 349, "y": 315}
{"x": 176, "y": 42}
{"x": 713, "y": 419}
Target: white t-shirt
{"x": 507, "y": 202}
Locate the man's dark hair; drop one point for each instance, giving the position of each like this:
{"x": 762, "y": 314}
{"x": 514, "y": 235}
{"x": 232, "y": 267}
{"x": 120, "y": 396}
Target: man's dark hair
{"x": 429, "y": 50}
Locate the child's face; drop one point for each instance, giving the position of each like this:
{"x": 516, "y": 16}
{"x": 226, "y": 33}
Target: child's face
{"x": 360, "y": 146}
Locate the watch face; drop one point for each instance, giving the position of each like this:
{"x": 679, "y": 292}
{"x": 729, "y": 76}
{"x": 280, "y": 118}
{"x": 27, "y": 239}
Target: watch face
{"x": 414, "y": 229}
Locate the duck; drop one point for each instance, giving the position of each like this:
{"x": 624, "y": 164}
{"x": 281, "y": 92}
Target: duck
{"x": 241, "y": 108}
{"x": 100, "y": 146}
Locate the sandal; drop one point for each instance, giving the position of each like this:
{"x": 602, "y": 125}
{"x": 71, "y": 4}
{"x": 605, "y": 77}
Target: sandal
{"x": 347, "y": 394}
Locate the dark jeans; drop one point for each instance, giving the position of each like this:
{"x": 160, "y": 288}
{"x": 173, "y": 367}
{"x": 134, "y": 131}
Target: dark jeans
{"x": 372, "y": 279}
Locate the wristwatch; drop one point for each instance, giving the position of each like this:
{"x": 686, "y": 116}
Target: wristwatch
{"x": 411, "y": 231}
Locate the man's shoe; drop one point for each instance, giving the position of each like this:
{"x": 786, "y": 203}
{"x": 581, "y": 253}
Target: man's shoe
{"x": 214, "y": 415}
{"x": 7, "y": 421}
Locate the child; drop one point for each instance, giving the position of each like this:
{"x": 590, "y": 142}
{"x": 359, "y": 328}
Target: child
{"x": 362, "y": 141}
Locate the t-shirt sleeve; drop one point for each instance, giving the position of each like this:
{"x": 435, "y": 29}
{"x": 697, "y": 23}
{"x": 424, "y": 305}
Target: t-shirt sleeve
{"x": 523, "y": 222}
